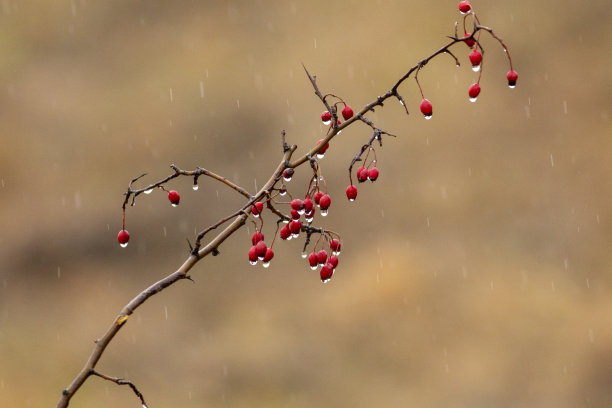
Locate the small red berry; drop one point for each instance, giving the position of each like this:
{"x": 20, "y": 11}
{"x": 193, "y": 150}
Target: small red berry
{"x": 470, "y": 42}
{"x": 317, "y": 197}
{"x": 324, "y": 202}
{"x": 512, "y": 77}
{"x": 326, "y": 117}
{"x": 326, "y": 272}
{"x": 373, "y": 174}
{"x": 313, "y": 260}
{"x": 308, "y": 205}
{"x": 261, "y": 249}
{"x": 295, "y": 227}
{"x": 268, "y": 257}
{"x": 322, "y": 257}
{"x": 288, "y": 173}
{"x": 362, "y": 174}
{"x": 464, "y": 7}
{"x": 323, "y": 149}
{"x": 297, "y": 205}
{"x": 257, "y": 209}
{"x": 285, "y": 232}
{"x": 295, "y": 215}
{"x": 253, "y": 255}
{"x": 351, "y": 192}
{"x": 475, "y": 59}
{"x": 474, "y": 91}
{"x": 426, "y": 109}
{"x": 347, "y": 112}
{"x": 123, "y": 237}
{"x": 335, "y": 246}
{"x": 257, "y": 236}
{"x": 174, "y": 197}
{"x": 333, "y": 260}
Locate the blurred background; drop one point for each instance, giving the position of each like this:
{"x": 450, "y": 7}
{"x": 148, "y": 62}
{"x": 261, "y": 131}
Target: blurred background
{"x": 475, "y": 273}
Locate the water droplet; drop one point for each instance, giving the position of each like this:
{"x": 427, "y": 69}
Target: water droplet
{"x": 304, "y": 255}
{"x": 427, "y": 117}
{"x": 283, "y": 192}
{"x": 123, "y": 245}
{"x": 295, "y": 235}
{"x": 302, "y": 211}
{"x": 314, "y": 268}
{"x": 476, "y": 68}
{"x": 473, "y": 99}
{"x": 337, "y": 253}
{"x": 148, "y": 191}
{"x": 255, "y": 215}
{"x": 325, "y": 280}
{"x": 320, "y": 156}
{"x": 309, "y": 219}
{"x": 327, "y": 122}
{"x": 195, "y": 187}
{"x": 266, "y": 264}
{"x": 253, "y": 262}
{"x": 511, "y": 86}
{"x": 286, "y": 178}
{"x": 324, "y": 213}
{"x": 175, "y": 205}
{"x": 351, "y": 199}
{"x": 402, "y": 102}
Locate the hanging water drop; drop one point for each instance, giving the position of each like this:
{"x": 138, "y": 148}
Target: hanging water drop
{"x": 174, "y": 205}
{"x": 320, "y": 156}
{"x": 123, "y": 245}
{"x": 476, "y": 68}
{"x": 266, "y": 264}
{"x": 195, "y": 187}
{"x": 473, "y": 99}
{"x": 148, "y": 191}
{"x": 304, "y": 255}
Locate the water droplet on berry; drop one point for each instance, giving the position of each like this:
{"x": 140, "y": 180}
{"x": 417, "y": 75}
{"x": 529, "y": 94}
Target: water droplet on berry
{"x": 309, "y": 218}
{"x": 295, "y": 235}
{"x": 473, "y": 99}
{"x": 314, "y": 268}
{"x": 175, "y": 205}
{"x": 327, "y": 122}
{"x": 286, "y": 178}
{"x": 336, "y": 253}
{"x": 253, "y": 262}
{"x": 266, "y": 264}
{"x": 512, "y": 86}
{"x": 123, "y": 245}
{"x": 476, "y": 68}
{"x": 195, "y": 187}
{"x": 324, "y": 213}
{"x": 320, "y": 156}
{"x": 148, "y": 191}
{"x": 427, "y": 117}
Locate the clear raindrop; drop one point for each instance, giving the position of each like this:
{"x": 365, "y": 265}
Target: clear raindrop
{"x": 324, "y": 213}
{"x": 253, "y": 262}
{"x": 473, "y": 99}
{"x": 304, "y": 255}
{"x": 195, "y": 187}
{"x": 123, "y": 245}
{"x": 286, "y": 178}
{"x": 295, "y": 235}
{"x": 320, "y": 156}
{"x": 266, "y": 264}
{"x": 427, "y": 116}
{"x": 148, "y": 191}
{"x": 351, "y": 199}
{"x": 476, "y": 68}
{"x": 309, "y": 218}
{"x": 512, "y": 86}
{"x": 325, "y": 280}
{"x": 327, "y": 122}
{"x": 175, "y": 205}
{"x": 314, "y": 268}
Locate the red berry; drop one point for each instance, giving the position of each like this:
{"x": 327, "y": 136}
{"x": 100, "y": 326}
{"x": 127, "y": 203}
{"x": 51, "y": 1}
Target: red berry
{"x": 464, "y": 7}
{"x": 261, "y": 249}
{"x": 347, "y": 112}
{"x": 174, "y": 197}
{"x": 322, "y": 257}
{"x": 257, "y": 236}
{"x": 469, "y": 42}
{"x": 253, "y": 255}
{"x": 373, "y": 174}
{"x": 512, "y": 77}
{"x": 474, "y": 92}
{"x": 308, "y": 206}
{"x": 310, "y": 215}
{"x": 288, "y": 173}
{"x": 295, "y": 227}
{"x": 325, "y": 202}
{"x": 426, "y": 108}
{"x": 257, "y": 209}
{"x": 323, "y": 149}
{"x": 269, "y": 255}
{"x": 326, "y": 117}
{"x": 326, "y": 272}
{"x": 123, "y": 237}
{"x": 285, "y": 232}
{"x": 313, "y": 260}
{"x": 295, "y": 215}
{"x": 475, "y": 58}
{"x": 335, "y": 245}
{"x": 351, "y": 192}
{"x": 297, "y": 205}
{"x": 362, "y": 174}
{"x": 317, "y": 197}
{"x": 333, "y": 260}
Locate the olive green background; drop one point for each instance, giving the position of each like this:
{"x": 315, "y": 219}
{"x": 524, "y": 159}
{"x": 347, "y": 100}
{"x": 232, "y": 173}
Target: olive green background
{"x": 475, "y": 272}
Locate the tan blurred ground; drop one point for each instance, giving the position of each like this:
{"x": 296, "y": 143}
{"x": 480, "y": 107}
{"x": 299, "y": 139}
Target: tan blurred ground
{"x": 478, "y": 273}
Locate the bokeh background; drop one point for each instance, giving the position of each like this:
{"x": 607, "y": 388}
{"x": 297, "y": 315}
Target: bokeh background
{"x": 475, "y": 273}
